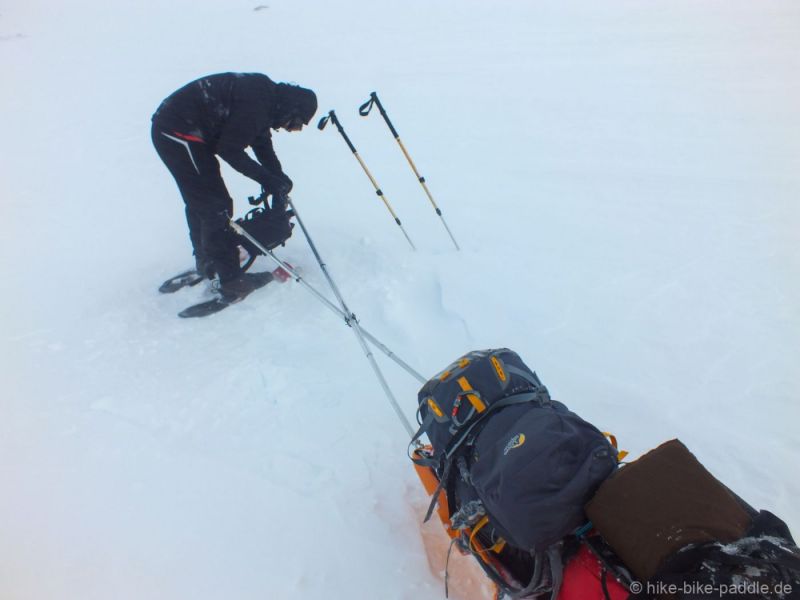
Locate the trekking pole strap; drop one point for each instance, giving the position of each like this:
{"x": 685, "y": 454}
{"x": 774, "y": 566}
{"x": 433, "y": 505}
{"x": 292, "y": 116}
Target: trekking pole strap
{"x": 365, "y": 108}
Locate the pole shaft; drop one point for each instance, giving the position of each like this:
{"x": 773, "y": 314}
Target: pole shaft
{"x": 420, "y": 178}
{"x": 384, "y": 115}
{"x": 339, "y": 127}
{"x": 354, "y": 324}
{"x": 378, "y": 190}
{"x": 299, "y": 279}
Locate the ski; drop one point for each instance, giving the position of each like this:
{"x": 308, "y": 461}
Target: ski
{"x": 215, "y": 305}
{"x": 180, "y": 281}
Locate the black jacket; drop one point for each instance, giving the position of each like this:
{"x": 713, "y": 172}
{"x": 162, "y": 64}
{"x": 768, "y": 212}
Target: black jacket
{"x": 229, "y": 112}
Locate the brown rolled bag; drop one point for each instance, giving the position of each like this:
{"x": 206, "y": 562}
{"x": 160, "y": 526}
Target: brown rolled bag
{"x": 685, "y": 536}
{"x": 662, "y": 502}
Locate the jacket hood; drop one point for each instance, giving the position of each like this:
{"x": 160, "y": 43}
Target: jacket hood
{"x": 294, "y": 101}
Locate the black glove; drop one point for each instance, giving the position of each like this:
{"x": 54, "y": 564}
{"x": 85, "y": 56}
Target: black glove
{"x": 287, "y": 183}
{"x": 279, "y": 184}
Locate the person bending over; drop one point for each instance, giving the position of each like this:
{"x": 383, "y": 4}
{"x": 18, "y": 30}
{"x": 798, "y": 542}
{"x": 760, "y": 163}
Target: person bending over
{"x": 219, "y": 116}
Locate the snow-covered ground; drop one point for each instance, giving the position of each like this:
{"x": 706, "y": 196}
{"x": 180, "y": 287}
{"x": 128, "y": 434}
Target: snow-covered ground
{"x": 623, "y": 178}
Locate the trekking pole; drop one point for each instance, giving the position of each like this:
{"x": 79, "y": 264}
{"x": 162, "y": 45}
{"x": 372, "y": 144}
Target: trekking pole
{"x": 353, "y": 322}
{"x": 364, "y": 110}
{"x": 331, "y": 116}
{"x": 297, "y": 277}
{"x": 349, "y": 319}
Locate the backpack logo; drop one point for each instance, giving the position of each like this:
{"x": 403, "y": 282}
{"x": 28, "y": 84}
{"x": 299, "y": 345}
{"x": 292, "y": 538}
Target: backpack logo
{"x": 514, "y": 442}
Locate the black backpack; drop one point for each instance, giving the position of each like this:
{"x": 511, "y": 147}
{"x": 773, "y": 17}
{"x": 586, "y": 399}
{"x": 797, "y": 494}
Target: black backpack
{"x": 270, "y": 227}
{"x": 516, "y": 467}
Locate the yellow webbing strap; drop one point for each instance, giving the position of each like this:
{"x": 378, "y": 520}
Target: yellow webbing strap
{"x": 435, "y": 408}
{"x": 621, "y": 454}
{"x": 498, "y": 546}
{"x": 474, "y": 400}
{"x": 501, "y": 374}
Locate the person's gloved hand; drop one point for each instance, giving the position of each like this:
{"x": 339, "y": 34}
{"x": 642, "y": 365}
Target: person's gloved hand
{"x": 287, "y": 184}
{"x": 279, "y": 184}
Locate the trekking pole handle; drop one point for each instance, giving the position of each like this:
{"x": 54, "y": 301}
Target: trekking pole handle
{"x": 367, "y": 106}
{"x": 331, "y": 116}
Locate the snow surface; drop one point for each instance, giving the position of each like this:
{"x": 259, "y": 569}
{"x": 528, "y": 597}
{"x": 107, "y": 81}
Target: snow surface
{"x": 623, "y": 178}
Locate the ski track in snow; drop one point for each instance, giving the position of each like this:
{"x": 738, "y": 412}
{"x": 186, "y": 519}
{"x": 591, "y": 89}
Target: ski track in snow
{"x": 623, "y": 183}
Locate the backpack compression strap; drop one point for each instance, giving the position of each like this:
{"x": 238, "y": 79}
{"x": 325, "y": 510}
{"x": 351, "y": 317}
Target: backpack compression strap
{"x": 447, "y": 458}
{"x": 543, "y": 562}
{"x": 537, "y": 584}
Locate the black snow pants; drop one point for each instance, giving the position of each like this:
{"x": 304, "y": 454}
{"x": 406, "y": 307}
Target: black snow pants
{"x": 208, "y": 204}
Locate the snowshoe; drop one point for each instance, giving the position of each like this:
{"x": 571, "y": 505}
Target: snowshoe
{"x": 235, "y": 291}
{"x": 180, "y": 281}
